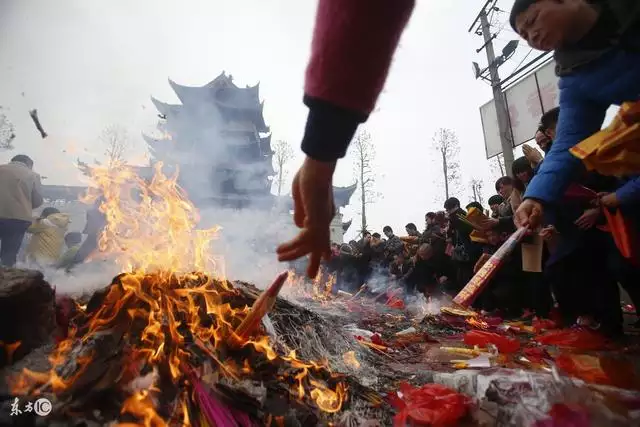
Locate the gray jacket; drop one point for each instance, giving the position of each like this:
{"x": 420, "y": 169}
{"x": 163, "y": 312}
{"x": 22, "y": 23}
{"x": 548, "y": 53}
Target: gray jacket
{"x": 20, "y": 191}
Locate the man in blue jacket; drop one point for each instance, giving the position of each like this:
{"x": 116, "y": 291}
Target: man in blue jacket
{"x": 596, "y": 46}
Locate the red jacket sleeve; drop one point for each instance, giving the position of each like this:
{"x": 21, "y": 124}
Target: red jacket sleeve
{"x": 353, "y": 45}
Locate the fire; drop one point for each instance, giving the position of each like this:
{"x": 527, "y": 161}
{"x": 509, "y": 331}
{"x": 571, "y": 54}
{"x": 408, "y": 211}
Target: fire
{"x": 169, "y": 311}
{"x": 350, "y": 360}
{"x": 149, "y": 226}
{"x": 320, "y": 289}
{"x": 479, "y": 324}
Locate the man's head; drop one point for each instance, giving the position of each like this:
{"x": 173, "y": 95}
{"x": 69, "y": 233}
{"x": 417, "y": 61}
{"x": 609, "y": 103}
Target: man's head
{"x": 551, "y": 24}
{"x": 72, "y": 239}
{"x": 547, "y": 129}
{"x": 495, "y": 202}
{"x": 504, "y": 186}
{"x": 451, "y": 205}
{"x": 48, "y": 211}
{"x": 366, "y": 235}
{"x": 411, "y": 229}
{"x": 335, "y": 248}
{"x": 430, "y": 217}
{"x": 425, "y": 251}
{"x": 521, "y": 169}
{"x": 25, "y": 160}
{"x": 387, "y": 231}
{"x": 376, "y": 237}
{"x": 476, "y": 205}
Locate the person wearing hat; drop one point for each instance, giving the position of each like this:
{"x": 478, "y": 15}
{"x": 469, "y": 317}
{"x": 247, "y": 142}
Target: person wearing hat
{"x": 596, "y": 47}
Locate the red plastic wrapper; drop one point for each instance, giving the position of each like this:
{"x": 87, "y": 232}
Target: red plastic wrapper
{"x": 493, "y": 321}
{"x": 603, "y": 370}
{"x": 65, "y": 310}
{"x": 484, "y": 338}
{"x": 430, "y": 405}
{"x": 543, "y": 324}
{"x": 395, "y": 302}
{"x": 578, "y": 339}
{"x": 536, "y": 354}
{"x": 562, "y": 415}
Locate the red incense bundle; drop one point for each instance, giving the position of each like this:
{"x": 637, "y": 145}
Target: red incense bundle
{"x": 260, "y": 307}
{"x": 477, "y": 283}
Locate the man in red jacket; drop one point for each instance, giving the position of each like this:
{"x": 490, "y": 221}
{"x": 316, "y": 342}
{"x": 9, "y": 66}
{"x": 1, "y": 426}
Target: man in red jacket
{"x": 353, "y": 44}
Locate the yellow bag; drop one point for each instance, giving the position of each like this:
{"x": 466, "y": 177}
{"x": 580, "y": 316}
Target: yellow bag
{"x": 615, "y": 150}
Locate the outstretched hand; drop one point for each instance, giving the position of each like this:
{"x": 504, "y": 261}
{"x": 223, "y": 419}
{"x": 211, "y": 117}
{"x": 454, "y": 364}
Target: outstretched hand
{"x": 313, "y": 209}
{"x": 529, "y": 214}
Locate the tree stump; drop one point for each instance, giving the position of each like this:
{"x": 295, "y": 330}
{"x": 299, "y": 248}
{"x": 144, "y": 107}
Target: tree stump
{"x": 27, "y": 313}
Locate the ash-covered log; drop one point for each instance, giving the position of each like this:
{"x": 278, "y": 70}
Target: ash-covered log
{"x": 27, "y": 313}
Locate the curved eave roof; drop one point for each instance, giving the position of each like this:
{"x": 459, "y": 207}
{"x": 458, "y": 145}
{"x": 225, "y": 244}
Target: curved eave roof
{"x": 164, "y": 108}
{"x": 346, "y": 225}
{"x": 342, "y": 195}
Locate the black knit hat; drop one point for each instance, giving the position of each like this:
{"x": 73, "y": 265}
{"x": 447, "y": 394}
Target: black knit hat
{"x": 518, "y": 7}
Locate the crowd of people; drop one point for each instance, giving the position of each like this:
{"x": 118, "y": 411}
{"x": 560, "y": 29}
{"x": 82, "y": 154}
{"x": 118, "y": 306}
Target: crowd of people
{"x": 581, "y": 265}
{"x": 43, "y": 241}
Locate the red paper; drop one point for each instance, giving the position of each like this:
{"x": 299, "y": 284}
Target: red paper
{"x": 579, "y": 339}
{"x": 484, "y": 338}
{"x": 430, "y": 405}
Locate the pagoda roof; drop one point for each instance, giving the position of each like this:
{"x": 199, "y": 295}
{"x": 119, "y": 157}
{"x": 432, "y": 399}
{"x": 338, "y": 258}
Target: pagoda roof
{"x": 346, "y": 225}
{"x": 265, "y": 145}
{"x": 342, "y": 195}
{"x": 166, "y": 109}
{"x": 227, "y": 96}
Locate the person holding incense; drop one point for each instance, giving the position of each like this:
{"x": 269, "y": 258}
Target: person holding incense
{"x": 597, "y": 51}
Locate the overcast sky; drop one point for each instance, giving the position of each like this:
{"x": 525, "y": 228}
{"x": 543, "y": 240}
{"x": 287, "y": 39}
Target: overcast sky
{"x": 87, "y": 64}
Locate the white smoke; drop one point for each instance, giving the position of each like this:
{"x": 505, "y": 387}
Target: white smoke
{"x": 248, "y": 240}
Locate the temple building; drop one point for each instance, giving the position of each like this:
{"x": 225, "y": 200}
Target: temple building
{"x": 217, "y": 139}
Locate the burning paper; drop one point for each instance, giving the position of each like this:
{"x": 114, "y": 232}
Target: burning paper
{"x": 170, "y": 312}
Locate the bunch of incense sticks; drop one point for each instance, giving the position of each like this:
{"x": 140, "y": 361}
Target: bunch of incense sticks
{"x": 480, "y": 280}
{"x": 260, "y": 307}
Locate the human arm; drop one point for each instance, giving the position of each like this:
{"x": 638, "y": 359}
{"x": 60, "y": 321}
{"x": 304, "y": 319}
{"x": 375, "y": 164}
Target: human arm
{"x": 628, "y": 194}
{"x": 353, "y": 44}
{"x": 579, "y": 118}
{"x": 36, "y": 193}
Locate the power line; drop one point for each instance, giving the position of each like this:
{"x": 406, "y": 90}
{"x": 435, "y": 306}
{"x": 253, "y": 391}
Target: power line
{"x": 523, "y": 59}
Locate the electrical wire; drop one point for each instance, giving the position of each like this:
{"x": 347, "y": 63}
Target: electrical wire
{"x": 523, "y": 59}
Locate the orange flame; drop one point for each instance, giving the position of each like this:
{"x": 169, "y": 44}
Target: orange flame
{"x": 350, "y": 360}
{"x": 149, "y": 226}
{"x": 479, "y": 324}
{"x": 151, "y": 232}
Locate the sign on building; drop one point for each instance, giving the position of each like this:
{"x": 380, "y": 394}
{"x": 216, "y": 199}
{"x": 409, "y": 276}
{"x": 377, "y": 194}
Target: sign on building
{"x": 526, "y": 100}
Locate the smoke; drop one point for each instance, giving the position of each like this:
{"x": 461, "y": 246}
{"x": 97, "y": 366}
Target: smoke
{"x": 84, "y": 279}
{"x": 247, "y": 241}
{"x": 225, "y": 170}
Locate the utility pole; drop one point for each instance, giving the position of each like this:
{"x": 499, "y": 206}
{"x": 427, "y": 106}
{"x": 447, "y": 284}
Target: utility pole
{"x": 498, "y": 96}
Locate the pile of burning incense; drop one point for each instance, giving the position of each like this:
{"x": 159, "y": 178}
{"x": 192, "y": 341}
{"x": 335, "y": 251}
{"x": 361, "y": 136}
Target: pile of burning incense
{"x": 166, "y": 349}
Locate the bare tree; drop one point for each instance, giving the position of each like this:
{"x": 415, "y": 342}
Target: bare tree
{"x": 365, "y": 154}
{"x": 7, "y": 133}
{"x": 116, "y": 141}
{"x": 445, "y": 142}
{"x": 282, "y": 154}
{"x": 476, "y": 187}
{"x": 497, "y": 166}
